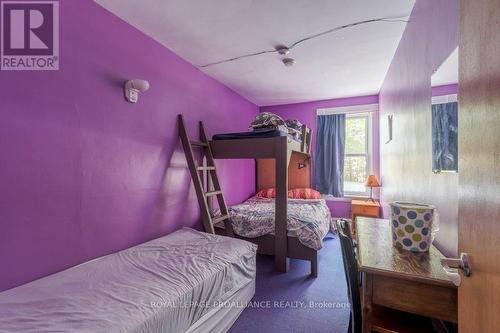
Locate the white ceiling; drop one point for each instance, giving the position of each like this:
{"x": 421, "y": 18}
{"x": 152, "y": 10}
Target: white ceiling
{"x": 351, "y": 62}
{"x": 447, "y": 73}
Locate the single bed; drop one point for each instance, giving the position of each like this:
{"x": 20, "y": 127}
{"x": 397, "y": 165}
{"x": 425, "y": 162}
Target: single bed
{"x": 187, "y": 281}
{"x": 308, "y": 220}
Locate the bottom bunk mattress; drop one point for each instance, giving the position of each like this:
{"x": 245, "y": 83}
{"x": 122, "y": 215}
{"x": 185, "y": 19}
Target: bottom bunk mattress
{"x": 185, "y": 281}
{"x": 308, "y": 219}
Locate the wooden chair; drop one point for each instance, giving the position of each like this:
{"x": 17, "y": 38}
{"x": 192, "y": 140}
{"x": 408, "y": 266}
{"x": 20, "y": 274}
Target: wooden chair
{"x": 384, "y": 320}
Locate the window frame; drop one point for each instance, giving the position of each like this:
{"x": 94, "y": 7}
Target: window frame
{"x": 368, "y": 151}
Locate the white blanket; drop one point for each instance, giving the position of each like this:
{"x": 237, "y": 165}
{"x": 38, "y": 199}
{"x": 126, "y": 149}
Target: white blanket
{"x": 164, "y": 285}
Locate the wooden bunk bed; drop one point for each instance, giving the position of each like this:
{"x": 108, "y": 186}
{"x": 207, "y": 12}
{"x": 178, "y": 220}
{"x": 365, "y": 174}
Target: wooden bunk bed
{"x": 280, "y": 149}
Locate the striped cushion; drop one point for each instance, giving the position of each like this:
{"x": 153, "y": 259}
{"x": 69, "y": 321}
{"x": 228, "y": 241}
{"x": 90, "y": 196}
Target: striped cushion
{"x": 304, "y": 193}
{"x": 296, "y": 193}
{"x": 267, "y": 193}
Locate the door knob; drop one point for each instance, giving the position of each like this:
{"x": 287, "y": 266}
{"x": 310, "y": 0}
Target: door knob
{"x": 462, "y": 263}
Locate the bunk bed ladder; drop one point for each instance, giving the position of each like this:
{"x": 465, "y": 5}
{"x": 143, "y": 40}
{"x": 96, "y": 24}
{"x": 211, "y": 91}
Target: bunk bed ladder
{"x": 210, "y": 187}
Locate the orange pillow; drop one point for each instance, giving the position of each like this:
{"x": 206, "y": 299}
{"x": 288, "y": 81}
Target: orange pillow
{"x": 267, "y": 193}
{"x": 304, "y": 193}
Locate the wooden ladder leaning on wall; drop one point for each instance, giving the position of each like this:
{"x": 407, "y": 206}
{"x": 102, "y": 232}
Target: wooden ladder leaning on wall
{"x": 210, "y": 186}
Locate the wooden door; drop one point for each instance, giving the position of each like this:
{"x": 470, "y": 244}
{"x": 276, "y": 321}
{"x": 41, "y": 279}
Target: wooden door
{"x": 479, "y": 173}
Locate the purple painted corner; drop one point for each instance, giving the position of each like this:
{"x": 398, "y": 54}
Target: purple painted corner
{"x": 83, "y": 172}
{"x": 430, "y": 37}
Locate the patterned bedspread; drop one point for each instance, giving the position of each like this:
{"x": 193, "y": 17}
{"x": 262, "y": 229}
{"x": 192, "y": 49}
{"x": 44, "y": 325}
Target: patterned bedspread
{"x": 308, "y": 220}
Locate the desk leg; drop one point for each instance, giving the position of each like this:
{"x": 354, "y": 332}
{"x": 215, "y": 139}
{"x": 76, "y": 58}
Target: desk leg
{"x": 366, "y": 302}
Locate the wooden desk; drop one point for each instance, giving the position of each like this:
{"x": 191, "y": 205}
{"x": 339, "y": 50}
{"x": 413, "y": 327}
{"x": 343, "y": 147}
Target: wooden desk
{"x": 402, "y": 280}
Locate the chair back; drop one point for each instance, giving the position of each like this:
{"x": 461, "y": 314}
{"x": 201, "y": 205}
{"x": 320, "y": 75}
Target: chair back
{"x": 351, "y": 273}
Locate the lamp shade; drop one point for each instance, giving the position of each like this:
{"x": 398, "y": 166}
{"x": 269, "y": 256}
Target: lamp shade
{"x": 372, "y": 181}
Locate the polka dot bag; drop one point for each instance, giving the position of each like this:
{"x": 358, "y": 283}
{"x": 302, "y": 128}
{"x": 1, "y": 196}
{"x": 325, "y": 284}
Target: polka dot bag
{"x": 412, "y": 226}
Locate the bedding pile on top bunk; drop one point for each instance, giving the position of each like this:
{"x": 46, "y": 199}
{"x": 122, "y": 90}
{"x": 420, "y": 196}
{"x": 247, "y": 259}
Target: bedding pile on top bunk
{"x": 267, "y": 121}
{"x": 308, "y": 220}
{"x": 267, "y": 125}
{"x": 176, "y": 283}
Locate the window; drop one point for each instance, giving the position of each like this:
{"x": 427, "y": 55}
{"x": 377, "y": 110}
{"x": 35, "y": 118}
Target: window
{"x": 358, "y": 153}
{"x": 358, "y": 161}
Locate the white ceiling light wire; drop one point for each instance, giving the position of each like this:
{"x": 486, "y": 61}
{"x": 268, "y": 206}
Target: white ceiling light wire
{"x": 305, "y": 39}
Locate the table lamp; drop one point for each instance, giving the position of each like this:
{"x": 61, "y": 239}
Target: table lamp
{"x": 372, "y": 182}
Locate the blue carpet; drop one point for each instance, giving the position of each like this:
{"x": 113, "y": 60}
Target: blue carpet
{"x": 295, "y": 302}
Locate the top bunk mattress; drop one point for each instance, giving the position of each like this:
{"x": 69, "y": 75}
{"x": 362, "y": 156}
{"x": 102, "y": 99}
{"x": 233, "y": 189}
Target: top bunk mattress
{"x": 164, "y": 285}
{"x": 268, "y": 133}
{"x": 308, "y": 219}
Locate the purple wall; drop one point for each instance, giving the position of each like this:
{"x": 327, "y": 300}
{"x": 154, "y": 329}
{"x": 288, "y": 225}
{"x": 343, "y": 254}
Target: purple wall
{"x": 429, "y": 38}
{"x": 84, "y": 173}
{"x": 306, "y": 113}
{"x": 448, "y": 89}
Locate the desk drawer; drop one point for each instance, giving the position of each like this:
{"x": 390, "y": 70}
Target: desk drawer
{"x": 429, "y": 300}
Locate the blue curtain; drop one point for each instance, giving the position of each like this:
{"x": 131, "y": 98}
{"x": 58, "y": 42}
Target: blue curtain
{"x": 445, "y": 137}
{"x": 330, "y": 146}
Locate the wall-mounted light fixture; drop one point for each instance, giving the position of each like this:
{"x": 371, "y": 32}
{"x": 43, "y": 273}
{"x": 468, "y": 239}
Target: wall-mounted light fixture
{"x": 133, "y": 87}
